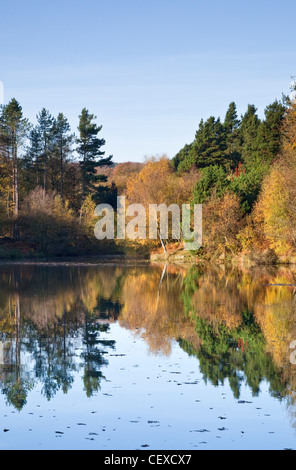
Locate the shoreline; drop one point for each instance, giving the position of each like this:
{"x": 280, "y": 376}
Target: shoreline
{"x": 82, "y": 260}
{"x": 243, "y": 260}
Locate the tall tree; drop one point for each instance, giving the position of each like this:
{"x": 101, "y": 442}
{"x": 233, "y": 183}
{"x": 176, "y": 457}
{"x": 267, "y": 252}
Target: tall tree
{"x": 62, "y": 140}
{"x": 269, "y": 132}
{"x": 249, "y": 128}
{"x": 181, "y": 160}
{"x": 231, "y": 125}
{"x": 209, "y": 146}
{"x": 45, "y": 127}
{"x": 14, "y": 129}
{"x": 32, "y": 157}
{"x": 89, "y": 148}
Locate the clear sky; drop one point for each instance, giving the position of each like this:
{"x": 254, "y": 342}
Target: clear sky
{"x": 149, "y": 69}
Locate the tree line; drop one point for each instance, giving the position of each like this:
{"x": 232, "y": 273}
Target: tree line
{"x": 46, "y": 169}
{"x": 40, "y": 155}
{"x": 241, "y": 168}
{"x": 244, "y": 147}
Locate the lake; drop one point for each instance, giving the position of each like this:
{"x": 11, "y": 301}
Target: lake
{"x": 114, "y": 355}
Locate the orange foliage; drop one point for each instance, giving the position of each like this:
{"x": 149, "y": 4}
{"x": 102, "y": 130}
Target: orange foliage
{"x": 157, "y": 183}
{"x": 221, "y": 223}
{"x": 276, "y": 207}
{"x": 122, "y": 172}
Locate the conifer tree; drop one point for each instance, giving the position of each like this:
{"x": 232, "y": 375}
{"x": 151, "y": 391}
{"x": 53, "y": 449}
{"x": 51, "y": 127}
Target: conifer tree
{"x": 231, "y": 126}
{"x": 89, "y": 149}
{"x": 32, "y": 157}
{"x": 249, "y": 128}
{"x": 62, "y": 146}
{"x": 181, "y": 160}
{"x": 45, "y": 128}
{"x": 269, "y": 133}
{"x": 209, "y": 146}
{"x": 14, "y": 129}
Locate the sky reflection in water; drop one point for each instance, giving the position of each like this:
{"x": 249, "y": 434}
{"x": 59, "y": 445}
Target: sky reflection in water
{"x": 121, "y": 357}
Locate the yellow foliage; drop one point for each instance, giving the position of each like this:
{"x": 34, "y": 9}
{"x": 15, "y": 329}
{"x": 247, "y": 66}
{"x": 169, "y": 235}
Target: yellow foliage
{"x": 276, "y": 316}
{"x": 221, "y": 223}
{"x": 153, "y": 307}
{"x": 157, "y": 183}
{"x": 274, "y": 206}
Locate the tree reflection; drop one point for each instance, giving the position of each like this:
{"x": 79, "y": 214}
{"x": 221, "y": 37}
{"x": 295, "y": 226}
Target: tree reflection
{"x": 54, "y": 321}
{"x": 93, "y": 355}
{"x": 45, "y": 315}
{"x": 223, "y": 307}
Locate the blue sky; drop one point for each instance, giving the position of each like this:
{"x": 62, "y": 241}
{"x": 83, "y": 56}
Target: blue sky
{"x": 149, "y": 70}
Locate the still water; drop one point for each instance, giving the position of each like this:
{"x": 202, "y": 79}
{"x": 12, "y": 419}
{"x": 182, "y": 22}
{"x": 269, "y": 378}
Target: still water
{"x": 117, "y": 356}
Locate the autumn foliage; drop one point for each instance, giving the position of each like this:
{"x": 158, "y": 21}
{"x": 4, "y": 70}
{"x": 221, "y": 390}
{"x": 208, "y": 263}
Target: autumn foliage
{"x": 242, "y": 171}
{"x": 276, "y": 207}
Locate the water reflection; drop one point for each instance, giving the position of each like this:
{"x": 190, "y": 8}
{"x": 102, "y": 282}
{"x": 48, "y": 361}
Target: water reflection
{"x": 237, "y": 323}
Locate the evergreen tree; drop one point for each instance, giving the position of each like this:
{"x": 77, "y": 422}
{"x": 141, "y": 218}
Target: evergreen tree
{"x": 213, "y": 180}
{"x": 208, "y": 148}
{"x": 89, "y": 149}
{"x": 181, "y": 156}
{"x": 14, "y": 129}
{"x": 62, "y": 146}
{"x": 231, "y": 126}
{"x": 45, "y": 127}
{"x": 248, "y": 184}
{"x": 269, "y": 133}
{"x": 249, "y": 128}
{"x": 32, "y": 157}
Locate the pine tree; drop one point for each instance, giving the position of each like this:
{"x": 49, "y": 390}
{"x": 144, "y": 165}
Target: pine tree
{"x": 45, "y": 128}
{"x": 62, "y": 146}
{"x": 209, "y": 147}
{"x": 182, "y": 156}
{"x": 14, "y": 129}
{"x": 89, "y": 149}
{"x": 32, "y": 157}
{"x": 249, "y": 128}
{"x": 213, "y": 181}
{"x": 269, "y": 133}
{"x": 231, "y": 126}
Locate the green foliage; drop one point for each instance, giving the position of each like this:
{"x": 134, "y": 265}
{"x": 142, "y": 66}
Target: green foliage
{"x": 208, "y": 148}
{"x": 44, "y": 130}
{"x": 249, "y": 140}
{"x": 37, "y": 169}
{"x": 89, "y": 149}
{"x": 233, "y": 157}
{"x": 13, "y": 130}
{"x": 190, "y": 286}
{"x": 63, "y": 140}
{"x": 213, "y": 180}
{"x": 230, "y": 156}
{"x": 233, "y": 140}
{"x": 183, "y": 156}
{"x": 249, "y": 127}
{"x": 221, "y": 357}
{"x": 247, "y": 186}
{"x": 270, "y": 131}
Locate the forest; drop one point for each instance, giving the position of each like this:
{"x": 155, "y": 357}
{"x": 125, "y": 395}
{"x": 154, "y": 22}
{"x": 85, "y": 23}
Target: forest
{"x": 240, "y": 168}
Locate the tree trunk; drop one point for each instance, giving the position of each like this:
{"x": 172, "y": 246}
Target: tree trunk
{"x": 15, "y": 190}
{"x": 45, "y": 176}
{"x": 162, "y": 244}
{"x": 62, "y": 176}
